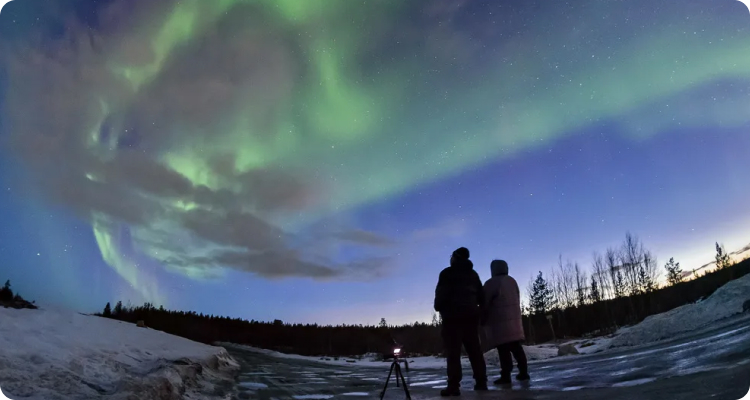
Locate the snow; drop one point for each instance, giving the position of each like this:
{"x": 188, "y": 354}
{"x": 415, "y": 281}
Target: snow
{"x": 724, "y": 303}
{"x": 56, "y": 354}
{"x": 591, "y": 346}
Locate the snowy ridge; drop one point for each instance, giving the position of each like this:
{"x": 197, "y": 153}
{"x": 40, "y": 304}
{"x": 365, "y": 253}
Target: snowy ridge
{"x": 51, "y": 355}
{"x": 724, "y": 303}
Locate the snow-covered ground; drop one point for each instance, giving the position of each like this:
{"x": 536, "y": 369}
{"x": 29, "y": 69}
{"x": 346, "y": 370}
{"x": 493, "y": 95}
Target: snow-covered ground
{"x": 724, "y": 303}
{"x": 46, "y": 354}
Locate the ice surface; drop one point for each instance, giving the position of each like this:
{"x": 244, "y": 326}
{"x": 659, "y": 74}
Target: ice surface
{"x": 533, "y": 353}
{"x": 253, "y": 385}
{"x": 57, "y": 354}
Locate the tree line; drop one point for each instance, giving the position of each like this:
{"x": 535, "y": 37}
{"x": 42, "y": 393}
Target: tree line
{"x": 304, "y": 339}
{"x": 621, "y": 288}
{"x": 9, "y": 299}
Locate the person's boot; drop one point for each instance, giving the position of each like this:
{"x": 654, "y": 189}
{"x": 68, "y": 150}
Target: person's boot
{"x": 450, "y": 391}
{"x": 504, "y": 380}
{"x": 481, "y": 387}
{"x": 523, "y": 376}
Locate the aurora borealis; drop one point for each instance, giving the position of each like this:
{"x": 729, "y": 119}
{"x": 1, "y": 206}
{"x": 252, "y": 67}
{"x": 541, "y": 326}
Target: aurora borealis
{"x": 317, "y": 160}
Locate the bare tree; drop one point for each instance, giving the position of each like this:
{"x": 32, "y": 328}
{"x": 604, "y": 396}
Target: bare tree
{"x": 595, "y": 293}
{"x": 602, "y": 276}
{"x": 581, "y": 288}
{"x": 649, "y": 273}
{"x": 611, "y": 259}
{"x": 563, "y": 282}
{"x": 631, "y": 258}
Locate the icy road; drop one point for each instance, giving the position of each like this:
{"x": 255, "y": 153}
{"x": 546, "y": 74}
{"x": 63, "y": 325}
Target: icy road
{"x": 713, "y": 363}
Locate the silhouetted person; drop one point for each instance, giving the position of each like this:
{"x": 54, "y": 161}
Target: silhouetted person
{"x": 502, "y": 322}
{"x": 458, "y": 299}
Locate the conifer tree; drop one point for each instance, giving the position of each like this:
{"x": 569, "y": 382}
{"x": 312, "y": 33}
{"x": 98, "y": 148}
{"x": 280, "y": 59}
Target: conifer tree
{"x": 674, "y": 272}
{"x": 541, "y": 299}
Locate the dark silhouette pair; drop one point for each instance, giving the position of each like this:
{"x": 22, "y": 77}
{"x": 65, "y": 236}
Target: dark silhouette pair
{"x": 466, "y": 306}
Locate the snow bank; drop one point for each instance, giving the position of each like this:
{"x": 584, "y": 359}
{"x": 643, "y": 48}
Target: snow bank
{"x": 725, "y": 302}
{"x": 533, "y": 353}
{"x": 50, "y": 355}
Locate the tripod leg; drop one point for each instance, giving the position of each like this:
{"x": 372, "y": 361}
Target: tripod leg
{"x": 398, "y": 373}
{"x": 403, "y": 380}
{"x": 386, "y": 382}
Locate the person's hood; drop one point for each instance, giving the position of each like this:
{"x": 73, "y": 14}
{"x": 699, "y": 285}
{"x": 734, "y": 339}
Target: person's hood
{"x": 499, "y": 268}
{"x": 462, "y": 263}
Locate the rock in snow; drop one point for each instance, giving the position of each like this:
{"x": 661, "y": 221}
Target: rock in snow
{"x": 566, "y": 350}
{"x": 53, "y": 355}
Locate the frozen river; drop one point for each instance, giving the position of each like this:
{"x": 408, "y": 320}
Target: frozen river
{"x": 710, "y": 364}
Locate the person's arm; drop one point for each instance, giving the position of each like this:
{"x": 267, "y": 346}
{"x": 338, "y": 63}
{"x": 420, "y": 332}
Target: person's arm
{"x": 480, "y": 298}
{"x": 440, "y": 293}
{"x": 480, "y": 290}
{"x": 490, "y": 297}
{"x": 486, "y": 308}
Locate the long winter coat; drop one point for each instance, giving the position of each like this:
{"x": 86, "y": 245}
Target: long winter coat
{"x": 503, "y": 322}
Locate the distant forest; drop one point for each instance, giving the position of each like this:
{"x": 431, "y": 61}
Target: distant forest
{"x": 622, "y": 289}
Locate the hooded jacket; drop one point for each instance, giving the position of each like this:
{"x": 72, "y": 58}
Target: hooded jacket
{"x": 502, "y": 318}
{"x": 459, "y": 290}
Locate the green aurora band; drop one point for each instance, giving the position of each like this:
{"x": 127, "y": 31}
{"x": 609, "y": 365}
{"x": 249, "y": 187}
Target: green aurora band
{"x": 366, "y": 117}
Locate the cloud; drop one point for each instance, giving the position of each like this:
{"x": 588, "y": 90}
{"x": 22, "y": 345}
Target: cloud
{"x": 741, "y": 251}
{"x": 170, "y": 142}
{"x": 221, "y": 131}
{"x": 364, "y": 237}
{"x": 450, "y": 228}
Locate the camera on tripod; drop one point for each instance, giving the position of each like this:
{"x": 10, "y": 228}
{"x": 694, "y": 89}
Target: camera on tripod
{"x": 396, "y": 366}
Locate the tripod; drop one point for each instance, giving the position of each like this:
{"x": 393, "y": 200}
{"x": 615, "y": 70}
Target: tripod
{"x": 395, "y": 366}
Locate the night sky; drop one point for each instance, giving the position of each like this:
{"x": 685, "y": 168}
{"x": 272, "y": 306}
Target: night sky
{"x": 319, "y": 160}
